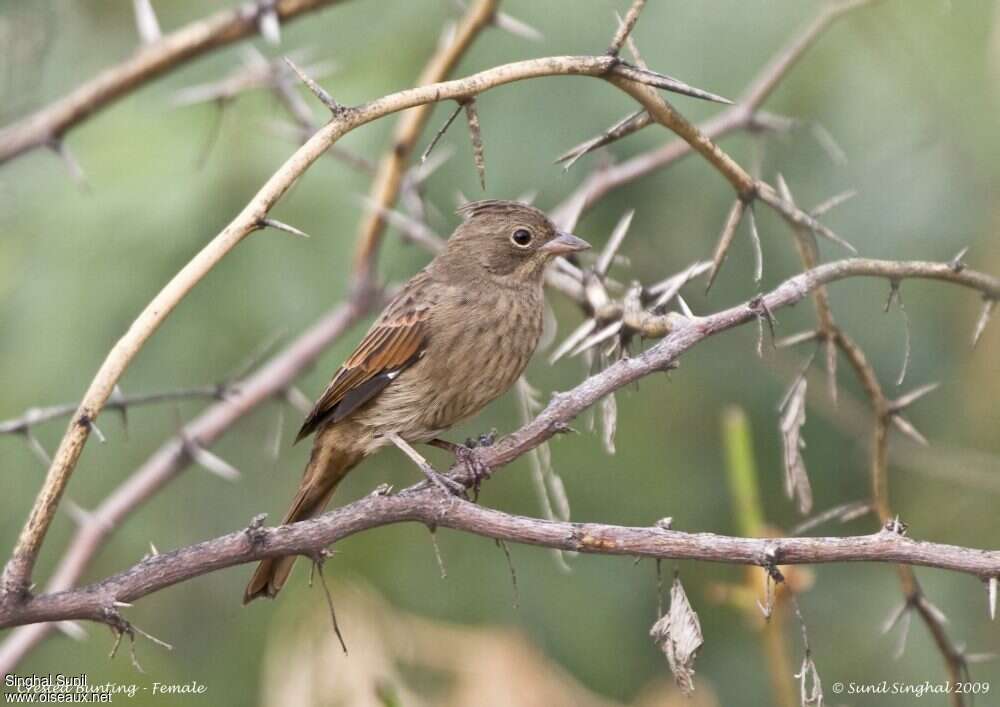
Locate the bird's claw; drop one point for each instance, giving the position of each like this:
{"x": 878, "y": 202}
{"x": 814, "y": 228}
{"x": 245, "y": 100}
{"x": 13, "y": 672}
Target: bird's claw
{"x": 471, "y": 459}
{"x": 486, "y": 439}
{"x": 446, "y": 484}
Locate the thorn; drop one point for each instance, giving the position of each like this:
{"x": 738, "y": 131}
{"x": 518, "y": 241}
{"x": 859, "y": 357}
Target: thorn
{"x": 298, "y": 400}
{"x": 80, "y": 515}
{"x": 758, "y": 255}
{"x": 573, "y": 339}
{"x": 472, "y": 116}
{"x": 933, "y": 610}
{"x": 763, "y": 313}
{"x": 896, "y": 527}
{"x": 37, "y": 449}
{"x": 831, "y": 203}
{"x": 278, "y": 434}
{"x": 829, "y": 144}
{"x": 632, "y": 123}
{"x": 684, "y": 307}
{"x": 795, "y": 339}
{"x": 600, "y": 337}
{"x": 153, "y": 549}
{"x": 117, "y": 396}
{"x": 984, "y": 318}
{"x": 907, "y": 428}
{"x": 666, "y": 290}
{"x": 801, "y": 218}
{"x": 278, "y": 225}
{"x": 894, "y": 616}
{"x": 904, "y": 401}
{"x": 97, "y": 431}
{"x": 146, "y": 22}
{"x": 440, "y": 133}
{"x": 667, "y": 83}
{"x": 904, "y": 632}
{"x": 318, "y": 91}
{"x": 59, "y": 146}
{"x": 209, "y": 461}
{"x": 633, "y": 48}
{"x": 614, "y": 243}
{"x": 843, "y": 513}
{"x": 231, "y": 383}
{"x": 991, "y": 591}
{"x": 122, "y": 604}
{"x": 268, "y": 23}
{"x": 956, "y": 263}
{"x": 821, "y": 230}
{"x": 516, "y": 27}
{"x": 411, "y": 228}
{"x": 733, "y": 219}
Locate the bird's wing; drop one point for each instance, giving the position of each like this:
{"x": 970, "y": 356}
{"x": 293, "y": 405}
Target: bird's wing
{"x": 397, "y": 341}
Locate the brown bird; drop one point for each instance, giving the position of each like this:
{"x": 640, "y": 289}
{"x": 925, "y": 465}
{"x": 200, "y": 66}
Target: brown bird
{"x": 456, "y": 337}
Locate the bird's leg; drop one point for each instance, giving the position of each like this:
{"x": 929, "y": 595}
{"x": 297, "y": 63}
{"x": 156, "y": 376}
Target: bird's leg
{"x": 449, "y": 486}
{"x": 468, "y": 455}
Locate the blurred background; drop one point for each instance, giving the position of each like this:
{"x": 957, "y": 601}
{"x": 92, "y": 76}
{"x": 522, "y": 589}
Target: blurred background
{"x": 909, "y": 91}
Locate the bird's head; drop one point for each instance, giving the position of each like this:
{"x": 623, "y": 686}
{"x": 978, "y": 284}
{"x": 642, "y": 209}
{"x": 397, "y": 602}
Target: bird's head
{"x": 510, "y": 240}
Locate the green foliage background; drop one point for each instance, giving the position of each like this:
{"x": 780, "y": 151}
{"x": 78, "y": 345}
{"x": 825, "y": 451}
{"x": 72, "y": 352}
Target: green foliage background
{"x": 909, "y": 89}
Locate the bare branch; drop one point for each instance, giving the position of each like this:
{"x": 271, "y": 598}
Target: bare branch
{"x": 166, "y": 569}
{"x": 420, "y": 504}
{"x": 149, "y": 62}
{"x": 475, "y": 132}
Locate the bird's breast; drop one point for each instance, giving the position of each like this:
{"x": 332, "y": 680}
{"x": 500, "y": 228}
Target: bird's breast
{"x": 480, "y": 352}
{"x": 478, "y": 346}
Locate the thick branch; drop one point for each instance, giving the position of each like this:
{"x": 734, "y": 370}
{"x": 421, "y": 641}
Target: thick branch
{"x": 429, "y": 507}
{"x": 17, "y": 573}
{"x": 268, "y": 382}
{"x": 165, "y": 570}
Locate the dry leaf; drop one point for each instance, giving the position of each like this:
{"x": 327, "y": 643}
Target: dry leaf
{"x": 793, "y": 417}
{"x": 678, "y": 634}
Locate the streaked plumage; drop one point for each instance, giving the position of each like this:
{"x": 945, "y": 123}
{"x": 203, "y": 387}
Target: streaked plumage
{"x": 456, "y": 337}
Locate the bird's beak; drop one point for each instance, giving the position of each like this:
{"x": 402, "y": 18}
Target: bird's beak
{"x": 564, "y": 243}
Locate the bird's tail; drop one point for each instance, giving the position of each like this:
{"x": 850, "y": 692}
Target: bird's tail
{"x": 327, "y": 466}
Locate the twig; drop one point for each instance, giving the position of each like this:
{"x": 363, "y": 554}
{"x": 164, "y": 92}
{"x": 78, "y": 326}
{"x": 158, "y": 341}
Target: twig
{"x": 389, "y": 178}
{"x": 625, "y": 27}
{"x": 453, "y": 512}
{"x": 272, "y": 379}
{"x": 147, "y": 63}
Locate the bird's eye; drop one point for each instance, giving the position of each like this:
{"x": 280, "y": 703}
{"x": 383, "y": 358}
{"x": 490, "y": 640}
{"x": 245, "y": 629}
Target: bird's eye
{"x": 521, "y": 237}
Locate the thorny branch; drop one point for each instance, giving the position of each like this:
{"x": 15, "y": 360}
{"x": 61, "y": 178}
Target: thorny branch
{"x": 17, "y": 573}
{"x": 424, "y": 503}
{"x": 49, "y": 125}
{"x": 745, "y": 114}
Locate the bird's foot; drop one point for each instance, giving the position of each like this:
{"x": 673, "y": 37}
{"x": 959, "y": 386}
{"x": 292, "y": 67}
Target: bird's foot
{"x": 486, "y": 439}
{"x": 469, "y": 455}
{"x": 445, "y": 484}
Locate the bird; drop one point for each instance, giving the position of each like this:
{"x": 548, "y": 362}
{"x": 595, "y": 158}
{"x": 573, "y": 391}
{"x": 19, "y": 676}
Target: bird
{"x": 454, "y": 338}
